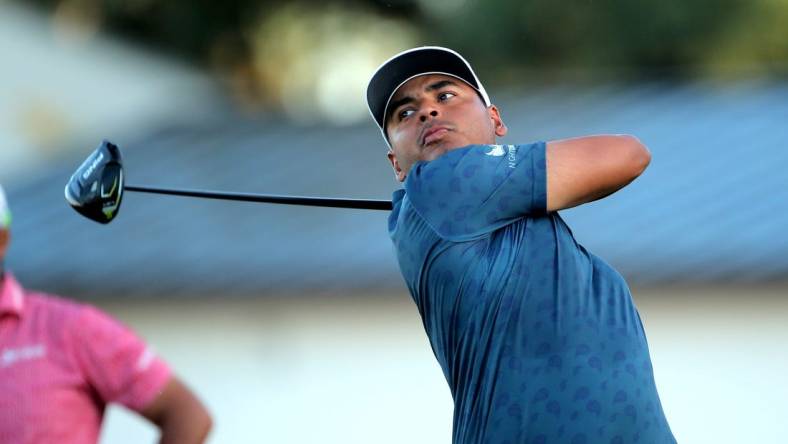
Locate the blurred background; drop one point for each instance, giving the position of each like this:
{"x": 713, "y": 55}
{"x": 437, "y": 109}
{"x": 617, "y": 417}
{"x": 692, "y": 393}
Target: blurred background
{"x": 293, "y": 324}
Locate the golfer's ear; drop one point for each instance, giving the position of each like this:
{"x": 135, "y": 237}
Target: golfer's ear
{"x": 398, "y": 173}
{"x": 495, "y": 116}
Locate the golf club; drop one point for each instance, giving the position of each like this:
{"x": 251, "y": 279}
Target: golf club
{"x": 96, "y": 188}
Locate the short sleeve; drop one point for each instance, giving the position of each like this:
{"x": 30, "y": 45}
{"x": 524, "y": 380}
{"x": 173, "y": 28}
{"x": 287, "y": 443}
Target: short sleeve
{"x": 472, "y": 191}
{"x": 119, "y": 365}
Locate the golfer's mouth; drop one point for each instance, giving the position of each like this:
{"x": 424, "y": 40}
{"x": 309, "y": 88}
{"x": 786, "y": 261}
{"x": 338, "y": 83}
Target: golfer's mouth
{"x": 434, "y": 134}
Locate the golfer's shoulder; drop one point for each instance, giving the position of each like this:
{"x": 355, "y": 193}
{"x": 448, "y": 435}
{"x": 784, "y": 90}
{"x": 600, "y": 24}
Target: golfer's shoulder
{"x": 67, "y": 311}
{"x": 403, "y": 212}
{"x": 47, "y": 312}
{"x": 49, "y": 302}
{"x": 427, "y": 175}
{"x": 469, "y": 161}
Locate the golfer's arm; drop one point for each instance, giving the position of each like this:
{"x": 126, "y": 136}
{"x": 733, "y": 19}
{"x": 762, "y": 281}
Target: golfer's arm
{"x": 179, "y": 415}
{"x": 585, "y": 169}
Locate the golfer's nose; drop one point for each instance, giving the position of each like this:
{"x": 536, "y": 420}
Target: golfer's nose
{"x": 430, "y": 113}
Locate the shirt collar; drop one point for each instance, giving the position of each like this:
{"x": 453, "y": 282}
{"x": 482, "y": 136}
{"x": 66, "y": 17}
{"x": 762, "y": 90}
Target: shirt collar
{"x": 11, "y": 296}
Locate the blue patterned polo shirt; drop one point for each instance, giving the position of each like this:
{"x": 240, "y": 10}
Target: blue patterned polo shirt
{"x": 539, "y": 340}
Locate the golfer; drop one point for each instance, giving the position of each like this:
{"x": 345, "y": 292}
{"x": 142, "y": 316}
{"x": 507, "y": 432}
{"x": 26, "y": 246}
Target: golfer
{"x": 539, "y": 339}
{"x": 63, "y": 362}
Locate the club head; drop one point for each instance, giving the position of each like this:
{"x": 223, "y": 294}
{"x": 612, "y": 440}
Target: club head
{"x": 95, "y": 190}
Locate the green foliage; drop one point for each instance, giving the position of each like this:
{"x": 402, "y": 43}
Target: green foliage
{"x": 626, "y": 37}
{"x": 504, "y": 37}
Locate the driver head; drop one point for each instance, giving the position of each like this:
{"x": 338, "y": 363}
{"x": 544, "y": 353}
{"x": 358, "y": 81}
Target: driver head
{"x": 95, "y": 189}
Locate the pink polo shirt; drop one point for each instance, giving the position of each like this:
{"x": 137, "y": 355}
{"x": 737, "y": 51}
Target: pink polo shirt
{"x": 61, "y": 362}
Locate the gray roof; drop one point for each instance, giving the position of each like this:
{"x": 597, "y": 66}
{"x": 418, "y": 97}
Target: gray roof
{"x": 712, "y": 206}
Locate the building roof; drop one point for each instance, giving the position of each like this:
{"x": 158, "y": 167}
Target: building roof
{"x": 711, "y": 207}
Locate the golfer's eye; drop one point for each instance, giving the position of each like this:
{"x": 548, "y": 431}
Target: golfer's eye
{"x": 444, "y": 96}
{"x": 405, "y": 113}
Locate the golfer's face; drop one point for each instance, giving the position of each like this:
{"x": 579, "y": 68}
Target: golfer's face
{"x": 432, "y": 114}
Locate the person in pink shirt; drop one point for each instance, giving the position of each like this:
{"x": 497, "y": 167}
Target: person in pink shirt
{"x": 62, "y": 362}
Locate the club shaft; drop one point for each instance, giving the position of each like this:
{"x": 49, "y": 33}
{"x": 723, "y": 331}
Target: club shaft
{"x": 361, "y": 204}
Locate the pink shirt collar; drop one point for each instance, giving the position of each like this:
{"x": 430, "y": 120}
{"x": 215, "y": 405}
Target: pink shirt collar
{"x": 11, "y": 296}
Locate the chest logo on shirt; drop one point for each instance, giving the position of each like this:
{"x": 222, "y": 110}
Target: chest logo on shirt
{"x": 496, "y": 150}
{"x": 502, "y": 150}
{"x": 12, "y": 355}
{"x": 512, "y": 156}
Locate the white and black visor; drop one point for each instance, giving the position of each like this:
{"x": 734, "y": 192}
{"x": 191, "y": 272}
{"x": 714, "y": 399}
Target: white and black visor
{"x": 415, "y": 62}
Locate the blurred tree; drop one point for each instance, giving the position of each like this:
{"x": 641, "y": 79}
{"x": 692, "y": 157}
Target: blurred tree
{"x": 506, "y": 39}
{"x": 190, "y": 28}
{"x": 316, "y": 60}
{"x": 263, "y": 52}
{"x": 610, "y": 37}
